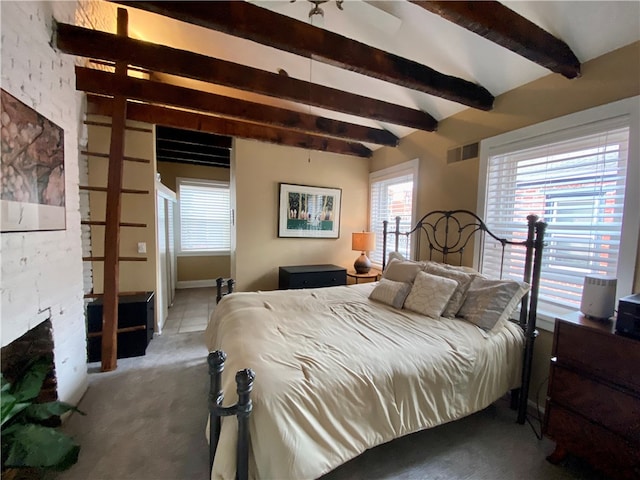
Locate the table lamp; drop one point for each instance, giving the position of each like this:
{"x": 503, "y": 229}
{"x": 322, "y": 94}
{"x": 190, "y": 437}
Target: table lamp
{"x": 365, "y": 242}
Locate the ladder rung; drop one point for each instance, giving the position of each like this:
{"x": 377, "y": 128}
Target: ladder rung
{"x": 120, "y": 330}
{"x": 120, "y": 259}
{"x": 122, "y": 224}
{"x": 98, "y": 295}
{"x": 104, "y": 189}
{"x": 106, "y": 155}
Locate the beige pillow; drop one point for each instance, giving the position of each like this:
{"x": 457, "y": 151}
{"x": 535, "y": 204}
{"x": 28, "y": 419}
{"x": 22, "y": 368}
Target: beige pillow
{"x": 462, "y": 268}
{"x": 390, "y": 292}
{"x": 464, "y": 282}
{"x": 397, "y": 255}
{"x": 489, "y": 303}
{"x": 402, "y": 271}
{"x": 430, "y": 294}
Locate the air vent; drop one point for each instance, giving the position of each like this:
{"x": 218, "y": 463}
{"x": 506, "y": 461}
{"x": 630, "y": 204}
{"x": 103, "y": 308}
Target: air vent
{"x": 466, "y": 152}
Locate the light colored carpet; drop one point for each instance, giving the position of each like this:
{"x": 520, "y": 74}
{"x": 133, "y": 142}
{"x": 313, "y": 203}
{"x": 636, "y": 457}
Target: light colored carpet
{"x": 146, "y": 420}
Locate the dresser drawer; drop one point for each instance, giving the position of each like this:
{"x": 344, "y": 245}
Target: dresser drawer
{"x": 613, "y": 358}
{"x": 610, "y": 407}
{"x": 320, "y": 279}
{"x": 612, "y": 454}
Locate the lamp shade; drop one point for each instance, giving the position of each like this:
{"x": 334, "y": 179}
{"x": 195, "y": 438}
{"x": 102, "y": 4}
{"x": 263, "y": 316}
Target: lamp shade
{"x": 363, "y": 241}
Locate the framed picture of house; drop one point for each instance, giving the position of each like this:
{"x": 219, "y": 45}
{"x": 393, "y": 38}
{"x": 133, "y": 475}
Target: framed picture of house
{"x": 32, "y": 192}
{"x": 309, "y": 212}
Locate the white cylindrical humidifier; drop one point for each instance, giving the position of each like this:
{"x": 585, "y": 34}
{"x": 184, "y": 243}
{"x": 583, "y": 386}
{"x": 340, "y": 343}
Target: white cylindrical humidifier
{"x": 598, "y": 296}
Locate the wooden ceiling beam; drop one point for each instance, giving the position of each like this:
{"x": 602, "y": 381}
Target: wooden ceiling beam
{"x": 159, "y": 58}
{"x": 105, "y": 83}
{"x": 208, "y": 163}
{"x": 191, "y": 137}
{"x": 503, "y": 26}
{"x": 198, "y": 149}
{"x": 172, "y": 117}
{"x": 242, "y": 19}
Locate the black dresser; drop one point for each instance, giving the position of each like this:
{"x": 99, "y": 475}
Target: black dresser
{"x": 136, "y": 321}
{"x": 311, "y": 276}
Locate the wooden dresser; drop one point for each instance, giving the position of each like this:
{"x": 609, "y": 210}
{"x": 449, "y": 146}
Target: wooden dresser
{"x": 593, "y": 400}
{"x": 311, "y": 276}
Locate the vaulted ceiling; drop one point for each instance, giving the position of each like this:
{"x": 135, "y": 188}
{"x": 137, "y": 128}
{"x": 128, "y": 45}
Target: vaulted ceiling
{"x": 375, "y": 72}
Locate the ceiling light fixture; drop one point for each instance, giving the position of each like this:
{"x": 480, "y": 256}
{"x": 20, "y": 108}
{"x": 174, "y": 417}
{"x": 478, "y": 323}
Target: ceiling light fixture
{"x": 316, "y": 10}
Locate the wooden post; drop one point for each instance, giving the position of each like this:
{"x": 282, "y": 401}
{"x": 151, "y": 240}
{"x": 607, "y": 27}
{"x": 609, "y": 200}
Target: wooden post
{"x": 113, "y": 207}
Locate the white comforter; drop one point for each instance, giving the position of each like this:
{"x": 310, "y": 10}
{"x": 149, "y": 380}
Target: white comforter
{"x": 337, "y": 373}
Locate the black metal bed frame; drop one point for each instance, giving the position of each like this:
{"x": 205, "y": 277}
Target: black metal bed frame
{"x": 456, "y": 237}
{"x": 459, "y": 227}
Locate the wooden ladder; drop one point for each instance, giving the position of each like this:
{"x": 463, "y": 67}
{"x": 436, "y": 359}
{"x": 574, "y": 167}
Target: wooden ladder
{"x": 112, "y": 221}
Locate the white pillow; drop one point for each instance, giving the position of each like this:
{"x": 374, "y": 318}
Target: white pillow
{"x": 390, "y": 292}
{"x": 397, "y": 255}
{"x": 402, "y": 271}
{"x": 430, "y": 294}
{"x": 463, "y": 280}
{"x": 489, "y": 303}
{"x": 462, "y": 268}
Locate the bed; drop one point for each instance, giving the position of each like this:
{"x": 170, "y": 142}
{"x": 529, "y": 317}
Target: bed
{"x": 336, "y": 371}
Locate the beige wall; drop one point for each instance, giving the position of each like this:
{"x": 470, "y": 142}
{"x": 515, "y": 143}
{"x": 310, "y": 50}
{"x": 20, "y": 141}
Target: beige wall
{"x": 134, "y": 276}
{"x": 257, "y": 169}
{"x": 441, "y": 186}
{"x": 608, "y": 78}
{"x": 196, "y": 268}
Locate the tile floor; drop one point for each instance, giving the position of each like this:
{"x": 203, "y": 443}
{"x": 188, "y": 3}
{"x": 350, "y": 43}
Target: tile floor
{"x": 190, "y": 311}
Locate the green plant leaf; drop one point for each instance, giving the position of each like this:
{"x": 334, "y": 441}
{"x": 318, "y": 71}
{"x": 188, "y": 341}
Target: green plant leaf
{"x": 42, "y": 411}
{"x": 5, "y": 384}
{"x": 41, "y": 447}
{"x": 10, "y": 407}
{"x": 28, "y": 386}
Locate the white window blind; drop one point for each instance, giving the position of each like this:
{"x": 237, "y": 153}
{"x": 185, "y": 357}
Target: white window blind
{"x": 392, "y": 194}
{"x": 577, "y": 186}
{"x": 204, "y": 216}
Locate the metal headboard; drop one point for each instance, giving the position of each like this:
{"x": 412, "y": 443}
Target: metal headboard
{"x": 449, "y": 232}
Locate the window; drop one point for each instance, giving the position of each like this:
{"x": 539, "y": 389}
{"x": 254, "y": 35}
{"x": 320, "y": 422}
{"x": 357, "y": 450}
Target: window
{"x": 392, "y": 193}
{"x": 575, "y": 174}
{"x": 204, "y": 225}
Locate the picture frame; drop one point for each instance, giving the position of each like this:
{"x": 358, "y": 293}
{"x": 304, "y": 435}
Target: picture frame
{"x": 308, "y": 212}
{"x": 32, "y": 191}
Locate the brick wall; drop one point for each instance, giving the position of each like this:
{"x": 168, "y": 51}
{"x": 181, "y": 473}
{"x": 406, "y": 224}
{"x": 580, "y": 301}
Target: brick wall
{"x": 42, "y": 273}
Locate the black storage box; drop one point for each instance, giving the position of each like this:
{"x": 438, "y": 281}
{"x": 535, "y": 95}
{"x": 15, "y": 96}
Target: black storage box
{"x": 628, "y": 321}
{"x": 136, "y": 313}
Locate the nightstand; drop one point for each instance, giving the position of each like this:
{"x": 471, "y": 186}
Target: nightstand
{"x": 593, "y": 401}
{"x": 371, "y": 276}
{"x": 311, "y": 276}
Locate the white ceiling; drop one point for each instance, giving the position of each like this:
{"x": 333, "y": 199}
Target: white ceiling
{"x": 590, "y": 28}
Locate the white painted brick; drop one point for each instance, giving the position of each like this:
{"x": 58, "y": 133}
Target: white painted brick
{"x": 42, "y": 272}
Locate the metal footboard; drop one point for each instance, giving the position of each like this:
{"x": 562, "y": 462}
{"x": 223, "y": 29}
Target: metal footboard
{"x": 242, "y": 410}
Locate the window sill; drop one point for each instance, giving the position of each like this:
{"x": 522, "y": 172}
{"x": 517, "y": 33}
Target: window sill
{"x": 544, "y": 322}
{"x": 204, "y": 254}
{"x": 547, "y": 317}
